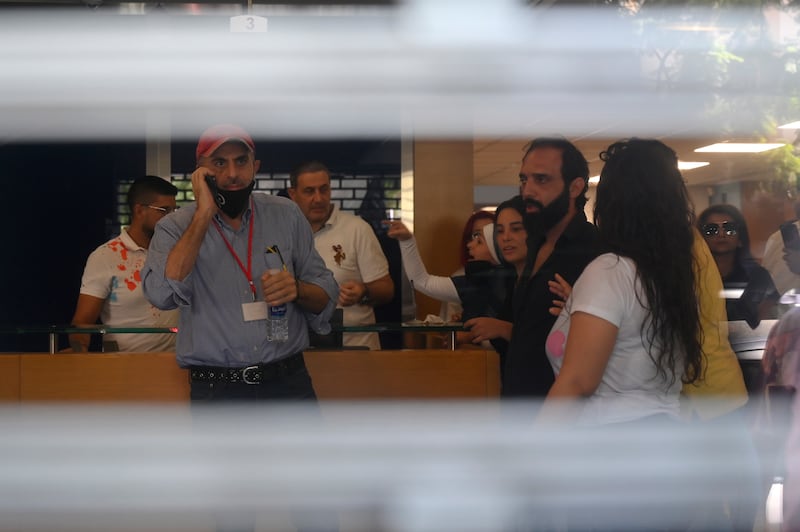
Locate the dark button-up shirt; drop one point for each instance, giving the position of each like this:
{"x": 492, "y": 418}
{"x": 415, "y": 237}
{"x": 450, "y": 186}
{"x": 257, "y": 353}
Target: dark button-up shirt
{"x": 526, "y": 370}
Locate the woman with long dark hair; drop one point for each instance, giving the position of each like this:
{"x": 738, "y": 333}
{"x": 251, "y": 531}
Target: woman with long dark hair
{"x": 725, "y": 231}
{"x": 630, "y": 332}
{"x": 510, "y": 237}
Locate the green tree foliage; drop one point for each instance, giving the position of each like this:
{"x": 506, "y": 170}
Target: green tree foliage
{"x": 733, "y": 54}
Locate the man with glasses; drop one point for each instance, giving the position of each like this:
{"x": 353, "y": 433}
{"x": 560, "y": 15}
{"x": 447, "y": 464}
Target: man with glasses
{"x": 111, "y": 287}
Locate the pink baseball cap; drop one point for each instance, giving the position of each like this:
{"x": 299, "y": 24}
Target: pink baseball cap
{"x": 215, "y": 136}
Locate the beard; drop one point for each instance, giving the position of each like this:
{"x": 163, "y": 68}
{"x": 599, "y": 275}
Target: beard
{"x": 547, "y": 216}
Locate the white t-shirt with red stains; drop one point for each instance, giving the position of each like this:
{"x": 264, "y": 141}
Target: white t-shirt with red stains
{"x": 113, "y": 273}
{"x": 630, "y": 388}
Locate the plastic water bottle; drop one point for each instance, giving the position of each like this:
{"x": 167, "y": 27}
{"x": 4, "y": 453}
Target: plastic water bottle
{"x": 278, "y": 326}
{"x": 278, "y": 321}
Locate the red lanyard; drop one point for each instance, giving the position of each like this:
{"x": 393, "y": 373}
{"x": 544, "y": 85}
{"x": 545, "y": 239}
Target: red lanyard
{"x": 249, "y": 271}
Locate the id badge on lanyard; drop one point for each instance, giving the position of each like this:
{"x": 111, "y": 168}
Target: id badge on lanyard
{"x": 254, "y": 310}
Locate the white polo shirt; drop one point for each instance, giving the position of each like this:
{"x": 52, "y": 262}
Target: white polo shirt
{"x": 351, "y": 250}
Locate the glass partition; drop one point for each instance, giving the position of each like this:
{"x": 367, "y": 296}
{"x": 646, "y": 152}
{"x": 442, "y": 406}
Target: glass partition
{"x": 52, "y": 332}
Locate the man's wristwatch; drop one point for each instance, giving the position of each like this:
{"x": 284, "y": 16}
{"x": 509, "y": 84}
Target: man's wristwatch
{"x": 365, "y": 300}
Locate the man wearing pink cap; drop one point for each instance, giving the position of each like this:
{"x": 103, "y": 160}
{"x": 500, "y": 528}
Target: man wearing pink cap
{"x": 223, "y": 261}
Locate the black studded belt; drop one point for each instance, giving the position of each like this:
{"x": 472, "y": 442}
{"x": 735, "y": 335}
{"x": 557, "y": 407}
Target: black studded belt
{"x": 255, "y": 374}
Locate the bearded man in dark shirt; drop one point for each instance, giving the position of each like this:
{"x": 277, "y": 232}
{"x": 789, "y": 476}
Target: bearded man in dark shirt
{"x": 553, "y": 183}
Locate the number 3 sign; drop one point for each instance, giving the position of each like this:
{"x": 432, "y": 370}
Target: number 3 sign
{"x": 248, "y": 24}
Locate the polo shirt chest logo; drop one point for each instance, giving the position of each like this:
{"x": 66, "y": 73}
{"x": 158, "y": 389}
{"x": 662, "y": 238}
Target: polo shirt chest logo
{"x": 339, "y": 255}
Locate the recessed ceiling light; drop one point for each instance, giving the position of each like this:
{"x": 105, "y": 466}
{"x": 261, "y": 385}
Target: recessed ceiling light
{"x": 691, "y": 165}
{"x": 739, "y": 147}
{"x": 682, "y": 165}
{"x": 790, "y": 125}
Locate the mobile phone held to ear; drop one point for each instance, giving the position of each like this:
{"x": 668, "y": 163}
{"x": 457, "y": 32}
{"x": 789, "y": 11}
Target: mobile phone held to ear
{"x": 790, "y": 235}
{"x": 211, "y": 181}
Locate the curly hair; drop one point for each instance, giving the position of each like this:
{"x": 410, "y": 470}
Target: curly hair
{"x": 643, "y": 212}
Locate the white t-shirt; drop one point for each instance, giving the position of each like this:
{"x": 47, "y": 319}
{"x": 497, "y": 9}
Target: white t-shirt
{"x": 113, "y": 273}
{"x": 773, "y": 261}
{"x": 630, "y": 388}
{"x": 351, "y": 250}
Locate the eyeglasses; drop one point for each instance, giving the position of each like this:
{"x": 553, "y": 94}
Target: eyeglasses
{"x": 728, "y": 229}
{"x": 162, "y": 210}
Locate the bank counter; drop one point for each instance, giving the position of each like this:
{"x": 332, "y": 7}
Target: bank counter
{"x": 432, "y": 464}
{"x": 340, "y": 374}
{"x": 336, "y": 373}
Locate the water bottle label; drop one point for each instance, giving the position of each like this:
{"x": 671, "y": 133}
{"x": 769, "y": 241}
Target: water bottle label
{"x": 277, "y": 312}
{"x": 278, "y": 324}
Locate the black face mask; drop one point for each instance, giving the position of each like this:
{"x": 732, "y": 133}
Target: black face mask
{"x": 231, "y": 202}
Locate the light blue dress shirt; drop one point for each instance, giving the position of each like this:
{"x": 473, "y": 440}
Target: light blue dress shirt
{"x": 212, "y": 330}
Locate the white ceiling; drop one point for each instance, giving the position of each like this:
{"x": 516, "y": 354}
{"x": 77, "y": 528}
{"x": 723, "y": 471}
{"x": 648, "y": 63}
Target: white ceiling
{"x": 496, "y": 161}
{"x": 499, "y": 72}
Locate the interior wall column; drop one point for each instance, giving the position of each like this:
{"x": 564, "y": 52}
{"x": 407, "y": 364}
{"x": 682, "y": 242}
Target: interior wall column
{"x": 443, "y": 200}
{"x": 158, "y": 152}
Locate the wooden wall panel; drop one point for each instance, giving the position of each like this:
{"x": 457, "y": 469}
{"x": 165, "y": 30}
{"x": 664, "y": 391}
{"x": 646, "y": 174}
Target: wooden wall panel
{"x": 9, "y": 377}
{"x": 404, "y": 374}
{"x": 103, "y": 377}
{"x": 443, "y": 200}
{"x": 155, "y": 377}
